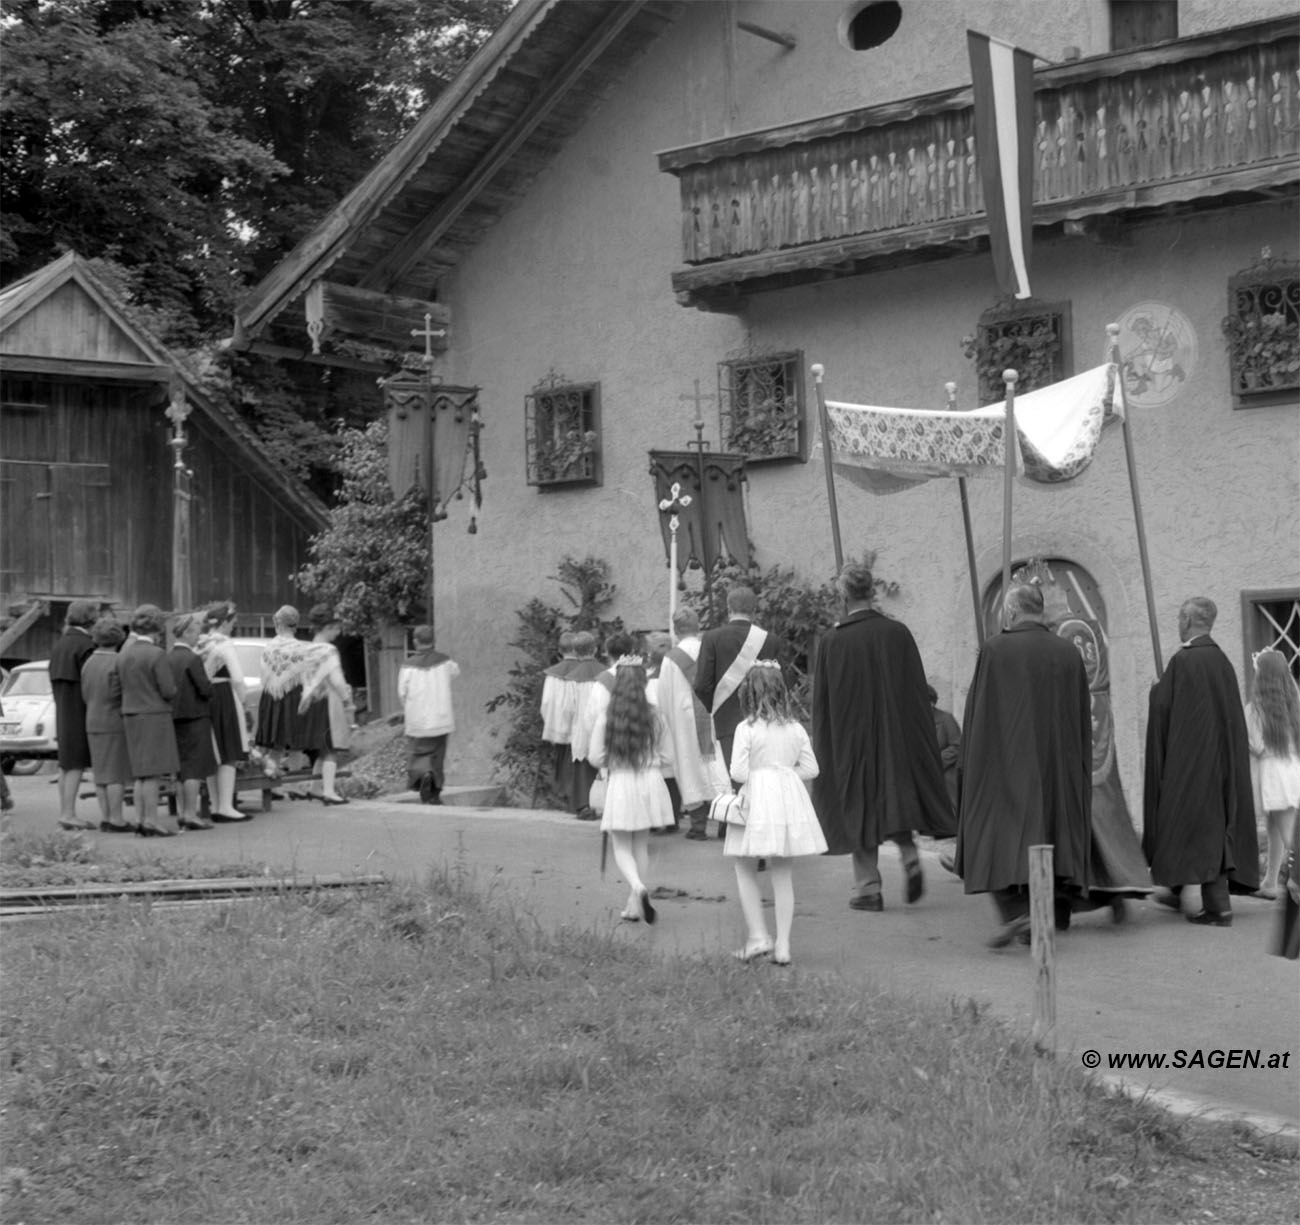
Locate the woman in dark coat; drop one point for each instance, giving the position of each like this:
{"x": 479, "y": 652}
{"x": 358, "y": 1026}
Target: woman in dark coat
{"x": 101, "y": 686}
{"x": 192, "y": 716}
{"x": 147, "y": 691}
{"x": 69, "y": 654}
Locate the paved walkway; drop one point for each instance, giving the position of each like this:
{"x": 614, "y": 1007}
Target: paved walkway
{"x": 1155, "y": 985}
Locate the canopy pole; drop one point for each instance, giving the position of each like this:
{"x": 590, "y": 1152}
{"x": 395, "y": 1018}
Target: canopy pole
{"x": 1112, "y": 331}
{"x": 1009, "y": 378}
{"x": 951, "y": 389}
{"x": 824, "y": 418}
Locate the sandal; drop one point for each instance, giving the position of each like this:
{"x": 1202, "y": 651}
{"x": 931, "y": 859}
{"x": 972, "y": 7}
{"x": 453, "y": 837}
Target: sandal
{"x": 751, "y": 952}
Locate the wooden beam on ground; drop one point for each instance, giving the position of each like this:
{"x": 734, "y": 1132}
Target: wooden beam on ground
{"x": 436, "y": 224}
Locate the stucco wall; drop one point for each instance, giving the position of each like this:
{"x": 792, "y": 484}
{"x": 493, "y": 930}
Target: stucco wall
{"x": 575, "y": 279}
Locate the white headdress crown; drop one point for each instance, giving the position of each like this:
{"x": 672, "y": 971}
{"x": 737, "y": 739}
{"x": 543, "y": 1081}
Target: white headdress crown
{"x": 629, "y": 661}
{"x": 767, "y": 663}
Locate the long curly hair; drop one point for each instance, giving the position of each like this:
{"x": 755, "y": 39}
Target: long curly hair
{"x": 1277, "y": 702}
{"x": 763, "y": 695}
{"x": 630, "y": 724}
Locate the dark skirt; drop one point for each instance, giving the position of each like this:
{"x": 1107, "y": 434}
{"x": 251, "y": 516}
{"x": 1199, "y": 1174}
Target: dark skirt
{"x": 151, "y": 743}
{"x": 280, "y": 726}
{"x": 70, "y": 725}
{"x": 109, "y": 758}
{"x": 227, "y": 720}
{"x": 194, "y": 747}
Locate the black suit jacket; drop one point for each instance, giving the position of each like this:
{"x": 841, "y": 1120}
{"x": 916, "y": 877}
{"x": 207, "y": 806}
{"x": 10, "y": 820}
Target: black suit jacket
{"x": 718, "y": 651}
{"x": 193, "y": 689}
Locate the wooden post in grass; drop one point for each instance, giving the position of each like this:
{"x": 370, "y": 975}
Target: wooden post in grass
{"x": 1042, "y": 949}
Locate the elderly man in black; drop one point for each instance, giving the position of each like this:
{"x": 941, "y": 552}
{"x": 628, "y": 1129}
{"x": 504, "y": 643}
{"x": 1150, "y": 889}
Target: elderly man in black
{"x": 873, "y": 734}
{"x": 1198, "y": 803}
{"x": 1026, "y": 766}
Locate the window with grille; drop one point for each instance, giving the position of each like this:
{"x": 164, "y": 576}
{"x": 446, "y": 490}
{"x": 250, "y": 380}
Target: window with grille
{"x": 1271, "y": 619}
{"x": 562, "y": 433}
{"x": 1032, "y": 338}
{"x": 1262, "y": 329}
{"x": 762, "y": 406}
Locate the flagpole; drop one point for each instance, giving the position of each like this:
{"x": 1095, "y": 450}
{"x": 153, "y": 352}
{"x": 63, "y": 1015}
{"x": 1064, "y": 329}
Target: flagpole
{"x": 951, "y": 389}
{"x": 1112, "y": 331}
{"x": 824, "y": 420}
{"x": 1009, "y": 378}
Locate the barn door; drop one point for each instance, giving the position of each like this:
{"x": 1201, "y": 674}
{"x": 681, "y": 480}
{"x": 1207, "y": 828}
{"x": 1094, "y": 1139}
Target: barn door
{"x": 57, "y": 538}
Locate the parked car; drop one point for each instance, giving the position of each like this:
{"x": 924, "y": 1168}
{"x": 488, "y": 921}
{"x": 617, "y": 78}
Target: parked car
{"x": 27, "y": 729}
{"x": 249, "y": 651}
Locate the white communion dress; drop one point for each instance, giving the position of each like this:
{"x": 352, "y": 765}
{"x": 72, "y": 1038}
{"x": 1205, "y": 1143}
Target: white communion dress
{"x": 773, "y": 760}
{"x": 634, "y": 799}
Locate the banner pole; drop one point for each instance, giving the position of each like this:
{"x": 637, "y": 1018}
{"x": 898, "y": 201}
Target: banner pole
{"x": 1009, "y": 378}
{"x": 824, "y": 420}
{"x": 951, "y": 389}
{"x": 1112, "y": 331}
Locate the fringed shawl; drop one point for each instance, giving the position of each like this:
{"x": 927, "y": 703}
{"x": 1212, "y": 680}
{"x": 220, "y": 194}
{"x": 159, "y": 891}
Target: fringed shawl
{"x": 288, "y": 663}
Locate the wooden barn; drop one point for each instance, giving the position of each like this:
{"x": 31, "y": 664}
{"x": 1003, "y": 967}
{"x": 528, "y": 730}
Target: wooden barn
{"x": 120, "y": 481}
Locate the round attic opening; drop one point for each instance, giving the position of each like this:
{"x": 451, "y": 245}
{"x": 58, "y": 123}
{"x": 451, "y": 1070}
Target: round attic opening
{"x": 870, "y": 24}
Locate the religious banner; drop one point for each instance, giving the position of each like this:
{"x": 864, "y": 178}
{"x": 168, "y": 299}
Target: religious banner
{"x": 430, "y": 438}
{"x": 1058, "y": 428}
{"x": 713, "y": 525}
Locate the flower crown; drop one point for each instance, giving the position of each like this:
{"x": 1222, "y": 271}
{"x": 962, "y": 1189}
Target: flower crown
{"x": 767, "y": 663}
{"x": 629, "y": 661}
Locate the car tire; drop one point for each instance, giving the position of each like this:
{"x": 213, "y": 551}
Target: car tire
{"x": 24, "y": 765}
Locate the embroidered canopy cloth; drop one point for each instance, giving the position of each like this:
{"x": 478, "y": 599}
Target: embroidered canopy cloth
{"x": 1057, "y": 431}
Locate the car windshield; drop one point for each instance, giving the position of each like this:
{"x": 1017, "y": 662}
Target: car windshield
{"x": 250, "y": 660}
{"x": 28, "y": 682}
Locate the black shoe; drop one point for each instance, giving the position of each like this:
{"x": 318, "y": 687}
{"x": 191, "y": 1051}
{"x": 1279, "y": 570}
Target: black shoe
{"x": 107, "y": 827}
{"x": 587, "y": 814}
{"x": 1211, "y": 918}
{"x": 915, "y": 882}
{"x": 428, "y": 792}
{"x": 697, "y": 835}
{"x": 871, "y": 901}
{"x": 647, "y": 911}
{"x": 1016, "y": 930}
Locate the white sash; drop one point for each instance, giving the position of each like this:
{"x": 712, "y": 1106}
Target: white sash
{"x": 731, "y": 679}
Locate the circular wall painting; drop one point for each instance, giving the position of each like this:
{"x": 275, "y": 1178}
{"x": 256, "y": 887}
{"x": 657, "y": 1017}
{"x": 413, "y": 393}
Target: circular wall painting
{"x": 1157, "y": 346}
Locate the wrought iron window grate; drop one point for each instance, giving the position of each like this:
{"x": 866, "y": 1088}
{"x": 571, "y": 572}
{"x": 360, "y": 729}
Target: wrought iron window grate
{"x": 1032, "y": 338}
{"x": 1262, "y": 329}
{"x": 562, "y": 433}
{"x": 1272, "y": 620}
{"x": 762, "y": 406}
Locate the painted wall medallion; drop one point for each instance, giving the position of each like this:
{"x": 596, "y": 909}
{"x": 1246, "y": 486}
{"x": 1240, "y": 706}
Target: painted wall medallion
{"x": 1157, "y": 346}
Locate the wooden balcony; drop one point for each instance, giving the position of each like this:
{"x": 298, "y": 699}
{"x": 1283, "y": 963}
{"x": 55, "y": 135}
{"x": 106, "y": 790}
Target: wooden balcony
{"x": 1191, "y": 123}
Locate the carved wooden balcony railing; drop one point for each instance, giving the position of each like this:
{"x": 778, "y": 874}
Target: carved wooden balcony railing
{"x": 1184, "y": 123}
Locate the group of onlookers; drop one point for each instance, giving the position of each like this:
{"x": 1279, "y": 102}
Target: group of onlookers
{"x": 136, "y": 713}
{"x": 673, "y": 728}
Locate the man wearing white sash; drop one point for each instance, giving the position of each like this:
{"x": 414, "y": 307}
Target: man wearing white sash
{"x": 726, "y": 656}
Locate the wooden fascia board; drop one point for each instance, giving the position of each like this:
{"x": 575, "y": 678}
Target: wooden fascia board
{"x": 309, "y": 259}
{"x": 1092, "y": 68}
{"x": 121, "y": 372}
{"x": 738, "y": 272}
{"x": 407, "y": 253}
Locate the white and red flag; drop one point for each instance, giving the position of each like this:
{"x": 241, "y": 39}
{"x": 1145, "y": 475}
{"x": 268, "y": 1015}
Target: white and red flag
{"x": 1002, "y": 77}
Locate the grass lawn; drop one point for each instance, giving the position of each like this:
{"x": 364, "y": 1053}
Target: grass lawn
{"x": 429, "y": 1054}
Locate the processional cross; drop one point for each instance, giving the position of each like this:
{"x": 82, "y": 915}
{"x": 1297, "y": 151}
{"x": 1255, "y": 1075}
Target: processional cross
{"x": 674, "y": 502}
{"x": 427, "y": 333}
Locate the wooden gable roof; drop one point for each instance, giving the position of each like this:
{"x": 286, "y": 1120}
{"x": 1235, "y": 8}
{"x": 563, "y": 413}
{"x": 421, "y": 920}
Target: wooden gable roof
{"x": 376, "y": 259}
{"x": 63, "y": 321}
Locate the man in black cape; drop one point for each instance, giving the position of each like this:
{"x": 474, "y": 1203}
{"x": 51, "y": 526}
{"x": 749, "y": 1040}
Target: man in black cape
{"x": 873, "y": 733}
{"x": 1198, "y": 804}
{"x": 1026, "y": 776}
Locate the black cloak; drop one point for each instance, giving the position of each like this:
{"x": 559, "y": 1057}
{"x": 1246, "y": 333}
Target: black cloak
{"x": 1198, "y": 807}
{"x": 1026, "y": 775}
{"x": 873, "y": 734}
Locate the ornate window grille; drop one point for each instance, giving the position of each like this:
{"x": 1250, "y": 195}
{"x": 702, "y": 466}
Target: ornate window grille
{"x": 562, "y": 433}
{"x": 762, "y": 406}
{"x": 1272, "y": 619}
{"x": 1030, "y": 337}
{"x": 1262, "y": 329}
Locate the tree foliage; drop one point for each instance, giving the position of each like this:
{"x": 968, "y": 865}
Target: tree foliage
{"x": 372, "y": 562}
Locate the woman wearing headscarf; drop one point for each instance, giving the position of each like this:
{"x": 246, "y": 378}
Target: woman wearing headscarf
{"x": 101, "y": 686}
{"x": 229, "y": 728}
{"x": 148, "y": 687}
{"x": 192, "y": 715}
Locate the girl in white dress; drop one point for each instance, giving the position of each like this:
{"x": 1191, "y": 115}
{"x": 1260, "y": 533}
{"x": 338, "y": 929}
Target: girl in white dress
{"x": 1273, "y": 729}
{"x": 630, "y": 739}
{"x": 773, "y": 758}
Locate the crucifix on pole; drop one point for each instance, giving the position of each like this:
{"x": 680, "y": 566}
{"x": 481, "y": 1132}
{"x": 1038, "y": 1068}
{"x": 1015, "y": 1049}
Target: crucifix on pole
{"x": 427, "y": 333}
{"x": 674, "y": 502}
{"x": 699, "y": 446}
